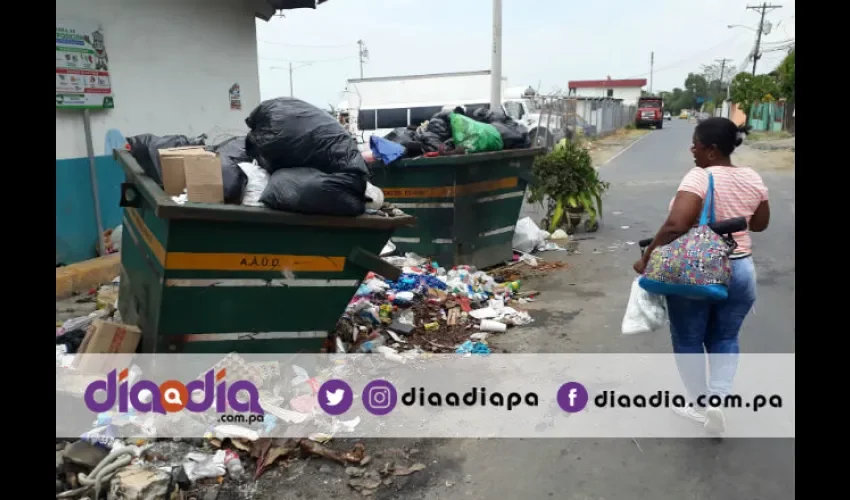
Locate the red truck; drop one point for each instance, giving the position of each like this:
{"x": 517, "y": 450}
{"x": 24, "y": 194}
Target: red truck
{"x": 650, "y": 112}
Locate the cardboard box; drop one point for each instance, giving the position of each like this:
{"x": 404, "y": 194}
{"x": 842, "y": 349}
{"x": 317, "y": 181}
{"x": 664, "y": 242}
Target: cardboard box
{"x": 107, "y": 337}
{"x": 192, "y": 169}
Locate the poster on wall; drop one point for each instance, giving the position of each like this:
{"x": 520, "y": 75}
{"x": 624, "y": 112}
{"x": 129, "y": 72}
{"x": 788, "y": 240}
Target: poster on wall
{"x": 235, "y": 97}
{"x": 82, "y": 66}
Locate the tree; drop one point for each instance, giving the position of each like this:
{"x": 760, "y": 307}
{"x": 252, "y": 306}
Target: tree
{"x": 786, "y": 76}
{"x": 748, "y": 89}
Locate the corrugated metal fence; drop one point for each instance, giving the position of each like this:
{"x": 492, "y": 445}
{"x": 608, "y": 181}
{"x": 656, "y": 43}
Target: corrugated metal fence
{"x": 593, "y": 117}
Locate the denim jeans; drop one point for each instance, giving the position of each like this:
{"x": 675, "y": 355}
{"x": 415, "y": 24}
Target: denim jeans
{"x": 700, "y": 327}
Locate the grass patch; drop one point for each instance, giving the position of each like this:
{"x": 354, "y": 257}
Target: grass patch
{"x": 759, "y": 136}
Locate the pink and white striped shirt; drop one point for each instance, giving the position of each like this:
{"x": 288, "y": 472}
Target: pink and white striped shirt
{"x": 738, "y": 191}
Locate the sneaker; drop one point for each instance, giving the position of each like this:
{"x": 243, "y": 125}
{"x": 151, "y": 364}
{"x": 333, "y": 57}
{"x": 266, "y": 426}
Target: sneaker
{"x": 690, "y": 413}
{"x": 715, "y": 421}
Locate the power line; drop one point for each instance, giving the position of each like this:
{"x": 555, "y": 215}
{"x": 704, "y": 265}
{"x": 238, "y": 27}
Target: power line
{"x": 308, "y": 61}
{"x": 305, "y": 46}
{"x": 689, "y": 58}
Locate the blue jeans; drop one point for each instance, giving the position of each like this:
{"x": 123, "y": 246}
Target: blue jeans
{"x": 698, "y": 327}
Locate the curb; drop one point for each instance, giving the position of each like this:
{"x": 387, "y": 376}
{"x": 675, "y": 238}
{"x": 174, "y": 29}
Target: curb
{"x": 85, "y": 275}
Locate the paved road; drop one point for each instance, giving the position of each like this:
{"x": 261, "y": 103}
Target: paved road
{"x": 581, "y": 310}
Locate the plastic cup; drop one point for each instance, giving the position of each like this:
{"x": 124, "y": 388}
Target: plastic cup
{"x": 488, "y": 325}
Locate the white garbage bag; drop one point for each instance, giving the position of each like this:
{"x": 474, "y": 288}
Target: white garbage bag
{"x": 258, "y": 179}
{"x": 527, "y": 236}
{"x": 375, "y": 194}
{"x": 646, "y": 312}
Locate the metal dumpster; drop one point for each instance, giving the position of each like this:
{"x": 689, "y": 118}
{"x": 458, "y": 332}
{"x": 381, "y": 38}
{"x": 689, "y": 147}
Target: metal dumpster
{"x": 466, "y": 205}
{"x": 220, "y": 278}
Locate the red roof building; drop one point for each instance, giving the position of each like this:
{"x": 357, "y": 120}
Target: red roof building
{"x": 628, "y": 90}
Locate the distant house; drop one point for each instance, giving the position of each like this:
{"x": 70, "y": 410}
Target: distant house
{"x": 627, "y": 90}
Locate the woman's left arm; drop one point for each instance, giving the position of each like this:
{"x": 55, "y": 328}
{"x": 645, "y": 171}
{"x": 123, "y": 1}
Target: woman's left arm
{"x": 683, "y": 215}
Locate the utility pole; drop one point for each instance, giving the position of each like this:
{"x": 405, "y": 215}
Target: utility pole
{"x": 363, "y": 54}
{"x": 291, "y": 92}
{"x": 763, "y": 8}
{"x": 723, "y": 73}
{"x": 496, "y": 58}
{"x": 651, "y": 68}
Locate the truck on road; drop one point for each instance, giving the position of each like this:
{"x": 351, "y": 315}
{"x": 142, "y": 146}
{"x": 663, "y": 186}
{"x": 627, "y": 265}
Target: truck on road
{"x": 650, "y": 112}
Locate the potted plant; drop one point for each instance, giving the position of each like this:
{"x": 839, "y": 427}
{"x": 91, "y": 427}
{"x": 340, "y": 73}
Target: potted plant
{"x": 567, "y": 180}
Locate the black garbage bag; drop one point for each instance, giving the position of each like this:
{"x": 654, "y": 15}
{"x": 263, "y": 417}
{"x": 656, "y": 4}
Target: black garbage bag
{"x": 407, "y": 138}
{"x": 290, "y": 133}
{"x": 232, "y": 153}
{"x": 145, "y": 150}
{"x": 514, "y": 134}
{"x": 430, "y": 141}
{"x": 440, "y": 125}
{"x": 311, "y": 191}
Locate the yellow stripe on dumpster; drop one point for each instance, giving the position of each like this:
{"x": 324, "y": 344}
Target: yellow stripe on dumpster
{"x": 146, "y": 234}
{"x": 191, "y": 261}
{"x": 450, "y": 191}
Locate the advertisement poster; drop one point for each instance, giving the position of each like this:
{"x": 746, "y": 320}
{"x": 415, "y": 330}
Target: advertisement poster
{"x": 82, "y": 66}
{"x": 235, "y": 97}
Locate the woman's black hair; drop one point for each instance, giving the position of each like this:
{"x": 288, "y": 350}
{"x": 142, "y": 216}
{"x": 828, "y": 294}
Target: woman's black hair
{"x": 721, "y": 133}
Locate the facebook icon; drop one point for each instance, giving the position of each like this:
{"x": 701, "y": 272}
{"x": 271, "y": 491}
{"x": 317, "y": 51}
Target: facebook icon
{"x": 572, "y": 397}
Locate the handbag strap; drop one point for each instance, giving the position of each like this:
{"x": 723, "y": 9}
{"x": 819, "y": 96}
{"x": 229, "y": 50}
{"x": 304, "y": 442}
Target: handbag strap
{"x": 707, "y": 215}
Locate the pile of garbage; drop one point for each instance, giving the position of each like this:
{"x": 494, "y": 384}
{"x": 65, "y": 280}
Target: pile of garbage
{"x": 295, "y": 158}
{"x": 429, "y": 309}
{"x": 233, "y": 455}
{"x": 449, "y": 133}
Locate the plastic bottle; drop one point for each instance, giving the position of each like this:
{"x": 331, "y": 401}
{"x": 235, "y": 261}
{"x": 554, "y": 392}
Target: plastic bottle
{"x": 234, "y": 465}
{"x": 371, "y": 345}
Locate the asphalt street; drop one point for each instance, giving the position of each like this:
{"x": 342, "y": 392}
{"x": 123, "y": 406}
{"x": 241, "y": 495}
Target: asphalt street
{"x": 581, "y": 310}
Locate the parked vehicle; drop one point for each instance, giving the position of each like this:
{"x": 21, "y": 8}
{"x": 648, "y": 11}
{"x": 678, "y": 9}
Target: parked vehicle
{"x": 649, "y": 112}
{"x": 667, "y": 115}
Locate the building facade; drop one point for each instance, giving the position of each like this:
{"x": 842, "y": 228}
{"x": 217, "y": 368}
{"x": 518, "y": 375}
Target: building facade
{"x": 173, "y": 67}
{"x": 629, "y": 91}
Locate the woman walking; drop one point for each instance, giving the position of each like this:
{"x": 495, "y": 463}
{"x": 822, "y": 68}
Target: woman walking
{"x": 701, "y": 326}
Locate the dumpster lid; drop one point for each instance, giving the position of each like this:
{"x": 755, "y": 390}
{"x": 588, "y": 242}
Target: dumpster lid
{"x": 166, "y": 208}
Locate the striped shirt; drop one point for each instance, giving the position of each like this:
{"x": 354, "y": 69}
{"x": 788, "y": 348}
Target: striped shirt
{"x": 738, "y": 191}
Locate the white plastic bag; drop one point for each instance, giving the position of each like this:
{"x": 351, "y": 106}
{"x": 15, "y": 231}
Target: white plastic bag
{"x": 527, "y": 236}
{"x": 258, "y": 179}
{"x": 375, "y": 194}
{"x": 646, "y": 312}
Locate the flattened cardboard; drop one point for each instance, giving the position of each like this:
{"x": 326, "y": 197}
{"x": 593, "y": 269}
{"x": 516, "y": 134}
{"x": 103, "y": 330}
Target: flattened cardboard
{"x": 194, "y": 170}
{"x": 204, "y": 183}
{"x": 107, "y": 337}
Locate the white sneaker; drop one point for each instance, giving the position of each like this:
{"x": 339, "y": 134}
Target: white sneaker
{"x": 715, "y": 421}
{"x": 690, "y": 413}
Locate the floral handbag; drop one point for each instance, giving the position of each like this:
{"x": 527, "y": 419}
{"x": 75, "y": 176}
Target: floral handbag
{"x": 696, "y": 265}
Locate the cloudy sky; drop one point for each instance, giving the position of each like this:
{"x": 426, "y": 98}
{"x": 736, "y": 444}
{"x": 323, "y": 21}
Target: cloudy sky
{"x": 557, "y": 41}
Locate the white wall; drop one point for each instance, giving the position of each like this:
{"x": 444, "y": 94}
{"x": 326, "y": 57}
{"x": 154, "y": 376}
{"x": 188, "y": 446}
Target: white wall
{"x": 171, "y": 64}
{"x": 629, "y": 95}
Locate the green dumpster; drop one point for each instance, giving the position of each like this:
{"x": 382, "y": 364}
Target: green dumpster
{"x": 210, "y": 278}
{"x": 466, "y": 206}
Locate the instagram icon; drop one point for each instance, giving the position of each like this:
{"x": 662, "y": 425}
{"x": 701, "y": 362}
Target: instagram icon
{"x": 379, "y": 397}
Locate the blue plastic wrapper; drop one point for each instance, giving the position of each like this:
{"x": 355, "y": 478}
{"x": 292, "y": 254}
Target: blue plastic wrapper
{"x": 469, "y": 347}
{"x": 414, "y": 282}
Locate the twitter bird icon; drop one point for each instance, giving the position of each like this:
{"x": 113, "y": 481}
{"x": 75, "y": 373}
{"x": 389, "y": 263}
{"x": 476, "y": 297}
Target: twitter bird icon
{"x": 335, "y": 397}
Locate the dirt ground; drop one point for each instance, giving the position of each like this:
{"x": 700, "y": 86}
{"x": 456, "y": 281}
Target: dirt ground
{"x": 767, "y": 154}
{"x": 603, "y": 150}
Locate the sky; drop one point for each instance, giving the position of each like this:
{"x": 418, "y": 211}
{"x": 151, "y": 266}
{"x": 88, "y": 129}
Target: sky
{"x": 558, "y": 41}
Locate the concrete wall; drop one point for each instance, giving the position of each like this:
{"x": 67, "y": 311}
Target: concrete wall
{"x": 171, "y": 64}
{"x": 629, "y": 95}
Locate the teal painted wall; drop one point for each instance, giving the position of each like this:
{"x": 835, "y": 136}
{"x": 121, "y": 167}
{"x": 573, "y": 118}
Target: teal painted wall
{"x": 76, "y": 227}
